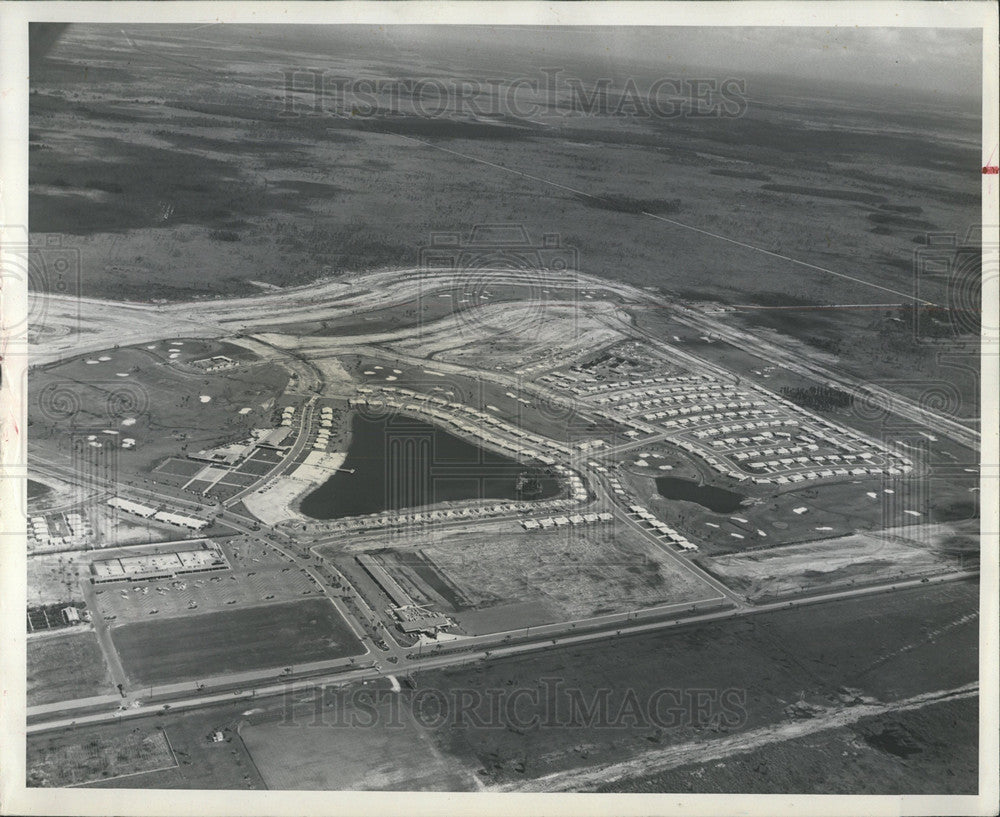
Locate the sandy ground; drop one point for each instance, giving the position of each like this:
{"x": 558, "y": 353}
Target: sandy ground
{"x": 110, "y": 532}
{"x": 275, "y": 503}
{"x": 512, "y": 333}
{"x": 863, "y": 557}
{"x": 55, "y": 578}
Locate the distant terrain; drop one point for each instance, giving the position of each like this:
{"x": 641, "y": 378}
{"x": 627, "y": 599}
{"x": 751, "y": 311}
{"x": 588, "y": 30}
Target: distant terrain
{"x": 218, "y": 191}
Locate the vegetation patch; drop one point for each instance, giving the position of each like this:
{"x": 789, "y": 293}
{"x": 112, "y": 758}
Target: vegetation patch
{"x": 55, "y": 764}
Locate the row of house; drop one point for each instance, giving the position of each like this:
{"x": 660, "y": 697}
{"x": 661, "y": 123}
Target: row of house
{"x": 377, "y": 521}
{"x": 706, "y": 414}
{"x": 548, "y": 522}
{"x": 663, "y": 530}
{"x": 479, "y": 424}
{"x": 147, "y": 512}
{"x": 42, "y": 537}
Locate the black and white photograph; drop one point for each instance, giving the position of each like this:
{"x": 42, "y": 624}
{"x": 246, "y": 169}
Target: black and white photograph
{"x": 406, "y": 409}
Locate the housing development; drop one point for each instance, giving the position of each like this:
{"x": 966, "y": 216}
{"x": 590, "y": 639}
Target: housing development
{"x": 520, "y": 520}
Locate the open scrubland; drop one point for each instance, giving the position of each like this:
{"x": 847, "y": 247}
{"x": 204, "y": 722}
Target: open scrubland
{"x": 222, "y": 181}
{"x": 878, "y": 686}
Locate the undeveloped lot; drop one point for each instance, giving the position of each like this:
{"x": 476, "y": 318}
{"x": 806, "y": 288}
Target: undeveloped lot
{"x": 216, "y": 643}
{"x": 501, "y": 576}
{"x": 55, "y": 577}
{"x": 513, "y": 336}
{"x": 64, "y": 667}
{"x": 933, "y": 750}
{"x": 832, "y": 563}
{"x": 361, "y": 742}
{"x": 201, "y": 763}
{"x": 751, "y": 673}
{"x": 67, "y": 760}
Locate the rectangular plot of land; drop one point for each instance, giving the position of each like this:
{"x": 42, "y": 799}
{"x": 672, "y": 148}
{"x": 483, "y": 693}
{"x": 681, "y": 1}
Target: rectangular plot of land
{"x": 250, "y": 638}
{"x": 830, "y": 563}
{"x": 265, "y": 455}
{"x": 66, "y": 666}
{"x": 180, "y": 468}
{"x": 239, "y": 479}
{"x": 378, "y": 748}
{"x": 55, "y": 763}
{"x": 563, "y": 574}
{"x": 211, "y": 473}
{"x": 255, "y": 467}
{"x": 220, "y": 491}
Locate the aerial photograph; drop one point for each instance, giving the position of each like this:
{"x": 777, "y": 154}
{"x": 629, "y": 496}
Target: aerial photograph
{"x": 504, "y": 409}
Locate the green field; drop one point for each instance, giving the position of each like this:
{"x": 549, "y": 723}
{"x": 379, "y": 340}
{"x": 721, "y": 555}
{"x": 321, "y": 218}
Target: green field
{"x": 66, "y": 666}
{"x": 191, "y": 647}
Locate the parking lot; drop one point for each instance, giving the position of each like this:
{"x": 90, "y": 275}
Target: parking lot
{"x": 258, "y": 576}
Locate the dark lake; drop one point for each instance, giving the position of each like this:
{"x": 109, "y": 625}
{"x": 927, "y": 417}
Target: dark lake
{"x": 718, "y": 500}
{"x": 405, "y": 463}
